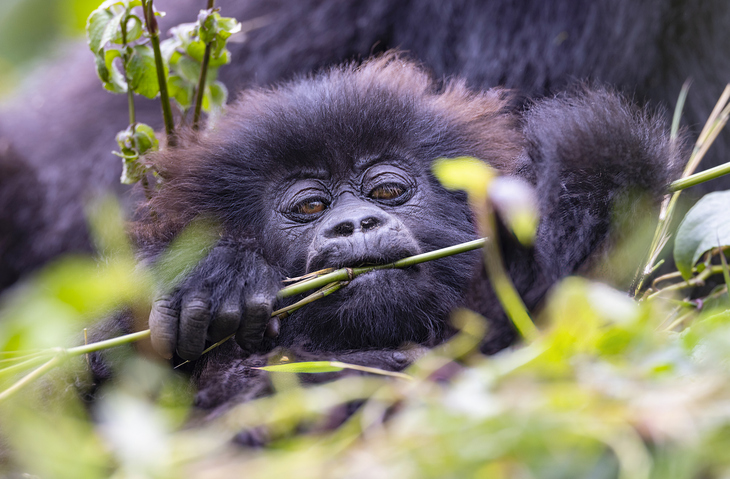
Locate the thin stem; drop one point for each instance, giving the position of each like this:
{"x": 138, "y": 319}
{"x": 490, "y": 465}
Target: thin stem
{"x": 24, "y": 365}
{"x": 154, "y": 32}
{"x": 32, "y": 376}
{"x": 200, "y": 93}
{"x": 506, "y": 293}
{"x": 701, "y": 177}
{"x": 108, "y": 343}
{"x": 348, "y": 274}
{"x": 679, "y": 108}
{"x": 327, "y": 290}
{"x": 696, "y": 281}
{"x": 717, "y": 120}
{"x": 125, "y": 59}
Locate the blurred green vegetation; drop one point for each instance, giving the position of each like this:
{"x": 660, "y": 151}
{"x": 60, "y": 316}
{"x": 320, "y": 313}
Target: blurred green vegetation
{"x": 609, "y": 388}
{"x": 31, "y": 30}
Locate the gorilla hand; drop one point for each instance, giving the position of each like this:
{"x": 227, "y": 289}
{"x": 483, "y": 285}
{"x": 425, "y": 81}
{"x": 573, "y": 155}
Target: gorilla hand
{"x": 232, "y": 290}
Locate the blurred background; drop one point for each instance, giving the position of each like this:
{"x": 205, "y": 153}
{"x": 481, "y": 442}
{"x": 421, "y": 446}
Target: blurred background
{"x": 33, "y": 30}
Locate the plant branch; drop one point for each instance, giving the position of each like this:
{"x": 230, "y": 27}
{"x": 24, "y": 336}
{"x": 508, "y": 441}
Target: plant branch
{"x": 701, "y": 177}
{"x": 200, "y": 93}
{"x": 130, "y": 92}
{"x": 154, "y": 32}
{"x": 348, "y": 274}
{"x": 717, "y": 120}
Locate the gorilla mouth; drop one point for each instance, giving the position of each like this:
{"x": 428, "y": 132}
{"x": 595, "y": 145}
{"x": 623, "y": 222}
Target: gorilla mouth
{"x": 345, "y": 257}
{"x": 379, "y": 260}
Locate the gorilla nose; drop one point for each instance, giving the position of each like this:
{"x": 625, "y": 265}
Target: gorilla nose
{"x": 351, "y": 221}
{"x": 347, "y": 227}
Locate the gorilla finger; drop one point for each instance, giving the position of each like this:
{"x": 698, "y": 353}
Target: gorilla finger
{"x": 258, "y": 308}
{"x": 272, "y": 329}
{"x": 226, "y": 320}
{"x": 194, "y": 321}
{"x": 163, "y": 326}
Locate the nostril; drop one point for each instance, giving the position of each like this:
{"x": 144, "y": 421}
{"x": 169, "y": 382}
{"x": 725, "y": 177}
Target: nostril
{"x": 369, "y": 223}
{"x": 344, "y": 229}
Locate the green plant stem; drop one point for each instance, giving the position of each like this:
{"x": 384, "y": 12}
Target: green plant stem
{"x": 348, "y": 274}
{"x": 107, "y": 343}
{"x": 321, "y": 293}
{"x": 59, "y": 355}
{"x": 154, "y": 32}
{"x": 701, "y": 177}
{"x": 696, "y": 281}
{"x": 200, "y": 93}
{"x": 715, "y": 123}
{"x": 509, "y": 298}
{"x": 32, "y": 376}
{"x": 24, "y": 365}
{"x": 130, "y": 92}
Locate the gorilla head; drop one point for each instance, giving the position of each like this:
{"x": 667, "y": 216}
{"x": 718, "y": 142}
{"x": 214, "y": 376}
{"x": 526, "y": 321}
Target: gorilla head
{"x": 335, "y": 170}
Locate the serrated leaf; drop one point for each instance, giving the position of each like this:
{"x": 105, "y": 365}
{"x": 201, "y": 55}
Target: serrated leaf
{"x": 132, "y": 171}
{"x": 114, "y": 80}
{"x": 188, "y": 69}
{"x": 101, "y": 70}
{"x": 113, "y": 31}
{"x": 181, "y": 91}
{"x": 229, "y": 25}
{"x": 215, "y": 96}
{"x": 195, "y": 50}
{"x": 134, "y": 28}
{"x": 145, "y": 138}
{"x": 142, "y": 72}
{"x": 95, "y": 27}
{"x": 464, "y": 173}
{"x": 706, "y": 226}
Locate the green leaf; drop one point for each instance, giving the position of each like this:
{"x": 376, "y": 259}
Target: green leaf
{"x": 145, "y": 139}
{"x": 95, "y": 27}
{"x": 181, "y": 91}
{"x": 113, "y": 31}
{"x": 195, "y": 50}
{"x": 134, "y": 28}
{"x": 329, "y": 367}
{"x": 188, "y": 69}
{"x": 142, "y": 72}
{"x": 215, "y": 97}
{"x": 114, "y": 80}
{"x": 303, "y": 367}
{"x": 706, "y": 226}
{"x": 464, "y": 173}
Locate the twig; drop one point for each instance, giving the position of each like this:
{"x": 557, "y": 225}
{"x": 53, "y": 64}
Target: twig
{"x": 154, "y": 32}
{"x": 348, "y": 274}
{"x": 200, "y": 93}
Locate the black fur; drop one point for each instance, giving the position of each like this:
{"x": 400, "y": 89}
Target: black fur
{"x": 64, "y": 124}
{"x": 582, "y": 152}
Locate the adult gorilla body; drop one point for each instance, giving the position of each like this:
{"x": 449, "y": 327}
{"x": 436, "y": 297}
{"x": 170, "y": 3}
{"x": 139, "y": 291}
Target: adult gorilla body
{"x": 335, "y": 170}
{"x": 647, "y": 49}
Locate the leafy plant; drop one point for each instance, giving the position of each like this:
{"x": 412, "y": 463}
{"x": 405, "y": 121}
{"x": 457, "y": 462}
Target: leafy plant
{"x": 124, "y": 37}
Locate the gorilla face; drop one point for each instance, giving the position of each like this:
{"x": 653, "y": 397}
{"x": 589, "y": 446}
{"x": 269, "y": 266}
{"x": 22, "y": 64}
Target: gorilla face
{"x": 335, "y": 171}
{"x": 375, "y": 213}
{"x": 328, "y": 172}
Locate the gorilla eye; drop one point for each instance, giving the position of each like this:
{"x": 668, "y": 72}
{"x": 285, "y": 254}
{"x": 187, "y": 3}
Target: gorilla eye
{"x": 387, "y": 192}
{"x": 310, "y": 207}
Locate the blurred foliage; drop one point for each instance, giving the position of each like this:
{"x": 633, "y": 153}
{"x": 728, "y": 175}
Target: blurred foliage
{"x": 607, "y": 390}
{"x": 33, "y": 29}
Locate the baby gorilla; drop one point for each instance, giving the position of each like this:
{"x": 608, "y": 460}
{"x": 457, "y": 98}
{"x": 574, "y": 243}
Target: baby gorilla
{"x": 334, "y": 170}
